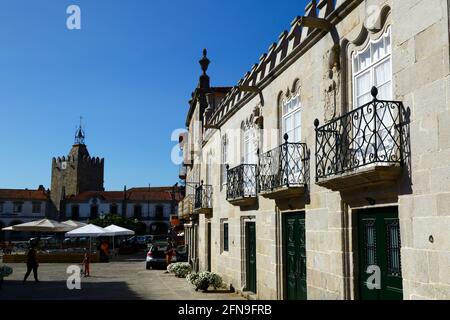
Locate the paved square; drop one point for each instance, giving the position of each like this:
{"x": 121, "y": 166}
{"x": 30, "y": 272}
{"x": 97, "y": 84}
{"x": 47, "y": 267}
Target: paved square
{"x": 115, "y": 280}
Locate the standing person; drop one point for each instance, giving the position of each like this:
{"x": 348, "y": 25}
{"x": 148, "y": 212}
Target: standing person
{"x": 169, "y": 251}
{"x": 86, "y": 263}
{"x": 32, "y": 263}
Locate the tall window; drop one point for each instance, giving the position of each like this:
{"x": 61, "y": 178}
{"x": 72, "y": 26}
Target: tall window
{"x": 249, "y": 152}
{"x": 372, "y": 67}
{"x": 1, "y": 207}
{"x": 94, "y": 211}
{"x": 209, "y": 170}
{"x": 292, "y": 126}
{"x": 291, "y": 119}
{"x": 159, "y": 212}
{"x": 225, "y": 237}
{"x": 137, "y": 211}
{"x": 113, "y": 208}
{"x": 224, "y": 159}
{"x": 36, "y": 208}
{"x": 75, "y": 212}
{"x": 17, "y": 207}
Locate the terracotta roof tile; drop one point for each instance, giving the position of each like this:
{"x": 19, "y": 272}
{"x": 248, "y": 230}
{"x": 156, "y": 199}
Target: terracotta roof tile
{"x": 23, "y": 194}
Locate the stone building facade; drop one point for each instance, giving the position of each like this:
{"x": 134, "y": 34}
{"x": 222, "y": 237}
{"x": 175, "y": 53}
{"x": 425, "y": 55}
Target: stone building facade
{"x": 325, "y": 172}
{"x": 76, "y": 173}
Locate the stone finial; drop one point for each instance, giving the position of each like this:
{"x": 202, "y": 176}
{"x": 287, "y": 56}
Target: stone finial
{"x": 204, "y": 62}
{"x": 374, "y": 93}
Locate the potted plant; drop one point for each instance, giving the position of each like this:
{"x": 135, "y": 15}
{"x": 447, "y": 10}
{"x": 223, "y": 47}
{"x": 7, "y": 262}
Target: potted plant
{"x": 180, "y": 269}
{"x": 4, "y": 272}
{"x": 203, "y": 280}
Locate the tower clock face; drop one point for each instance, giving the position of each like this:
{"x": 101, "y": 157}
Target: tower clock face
{"x": 64, "y": 165}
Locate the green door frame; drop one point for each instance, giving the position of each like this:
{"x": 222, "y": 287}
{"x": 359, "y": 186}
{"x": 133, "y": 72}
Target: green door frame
{"x": 294, "y": 254}
{"x": 250, "y": 241}
{"x": 379, "y": 245}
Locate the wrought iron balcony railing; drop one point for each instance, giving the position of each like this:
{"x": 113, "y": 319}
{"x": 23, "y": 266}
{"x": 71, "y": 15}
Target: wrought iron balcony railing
{"x": 241, "y": 182}
{"x": 203, "y": 197}
{"x": 371, "y": 134}
{"x": 284, "y": 166}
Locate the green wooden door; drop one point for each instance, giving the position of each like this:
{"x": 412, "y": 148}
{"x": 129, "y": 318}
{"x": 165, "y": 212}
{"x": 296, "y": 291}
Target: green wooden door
{"x": 379, "y": 245}
{"x": 250, "y": 233}
{"x": 295, "y": 256}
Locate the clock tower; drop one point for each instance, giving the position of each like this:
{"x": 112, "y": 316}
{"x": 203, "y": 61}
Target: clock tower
{"x": 75, "y": 173}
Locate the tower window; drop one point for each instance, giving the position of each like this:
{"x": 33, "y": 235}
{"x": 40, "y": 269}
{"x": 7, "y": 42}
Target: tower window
{"x": 113, "y": 209}
{"x": 137, "y": 211}
{"x": 37, "y": 207}
{"x": 94, "y": 211}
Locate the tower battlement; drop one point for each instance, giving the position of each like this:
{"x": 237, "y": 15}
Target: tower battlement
{"x": 87, "y": 160}
{"x": 77, "y": 172}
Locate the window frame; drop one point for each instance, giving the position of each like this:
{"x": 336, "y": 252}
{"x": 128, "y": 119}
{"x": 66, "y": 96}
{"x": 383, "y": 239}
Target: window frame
{"x": 224, "y": 236}
{"x": 36, "y": 203}
{"x": 20, "y": 206}
{"x": 291, "y": 115}
{"x": 137, "y": 214}
{"x": 114, "y": 205}
{"x": 372, "y": 65}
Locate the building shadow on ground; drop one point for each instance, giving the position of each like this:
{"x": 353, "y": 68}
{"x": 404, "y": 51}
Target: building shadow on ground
{"x": 57, "y": 290}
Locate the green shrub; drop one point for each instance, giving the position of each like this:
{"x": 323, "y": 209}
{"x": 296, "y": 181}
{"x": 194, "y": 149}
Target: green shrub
{"x": 5, "y": 271}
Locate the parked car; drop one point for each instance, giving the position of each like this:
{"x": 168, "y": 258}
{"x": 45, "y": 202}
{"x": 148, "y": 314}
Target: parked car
{"x": 156, "y": 257}
{"x": 159, "y": 239}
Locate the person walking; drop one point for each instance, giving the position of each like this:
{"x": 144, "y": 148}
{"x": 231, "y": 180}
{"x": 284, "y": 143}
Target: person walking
{"x": 169, "y": 251}
{"x": 32, "y": 264}
{"x": 86, "y": 263}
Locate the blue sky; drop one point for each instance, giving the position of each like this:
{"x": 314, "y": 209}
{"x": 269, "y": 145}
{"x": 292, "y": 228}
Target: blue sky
{"x": 129, "y": 72}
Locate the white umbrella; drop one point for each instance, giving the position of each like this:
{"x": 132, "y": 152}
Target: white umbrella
{"x": 44, "y": 225}
{"x": 75, "y": 224}
{"x": 8, "y": 229}
{"x": 90, "y": 231}
{"x": 119, "y": 231}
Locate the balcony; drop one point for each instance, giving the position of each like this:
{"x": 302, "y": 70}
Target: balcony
{"x": 362, "y": 148}
{"x": 283, "y": 171}
{"x": 203, "y": 199}
{"x": 241, "y": 185}
{"x": 186, "y": 206}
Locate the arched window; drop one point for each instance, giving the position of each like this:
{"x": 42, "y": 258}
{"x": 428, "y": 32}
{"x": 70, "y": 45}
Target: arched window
{"x": 372, "y": 67}
{"x": 291, "y": 122}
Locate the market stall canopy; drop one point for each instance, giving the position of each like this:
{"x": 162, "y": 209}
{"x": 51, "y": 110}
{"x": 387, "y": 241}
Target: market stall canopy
{"x": 90, "y": 230}
{"x": 75, "y": 224}
{"x": 44, "y": 225}
{"x": 119, "y": 231}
